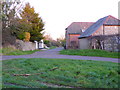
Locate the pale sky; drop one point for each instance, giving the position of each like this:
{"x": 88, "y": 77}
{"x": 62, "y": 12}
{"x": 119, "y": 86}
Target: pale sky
{"x": 58, "y": 14}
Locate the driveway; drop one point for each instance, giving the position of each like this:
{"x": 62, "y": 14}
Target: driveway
{"x": 54, "y": 53}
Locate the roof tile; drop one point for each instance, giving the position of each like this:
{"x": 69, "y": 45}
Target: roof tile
{"x": 78, "y": 27}
{"x": 108, "y": 20}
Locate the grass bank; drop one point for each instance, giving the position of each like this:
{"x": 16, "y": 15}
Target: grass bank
{"x": 90, "y": 52}
{"x": 52, "y": 47}
{"x": 11, "y": 51}
{"x": 59, "y": 73}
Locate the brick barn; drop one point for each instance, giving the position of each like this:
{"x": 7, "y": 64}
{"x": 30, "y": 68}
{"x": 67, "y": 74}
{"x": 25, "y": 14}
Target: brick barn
{"x": 73, "y": 31}
{"x": 103, "y": 34}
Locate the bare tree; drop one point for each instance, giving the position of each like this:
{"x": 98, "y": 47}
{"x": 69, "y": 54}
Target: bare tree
{"x": 8, "y": 14}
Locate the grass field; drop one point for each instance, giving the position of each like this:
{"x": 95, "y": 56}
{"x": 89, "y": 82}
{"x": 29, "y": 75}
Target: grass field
{"x": 91, "y": 52}
{"x": 11, "y": 51}
{"x": 52, "y": 47}
{"x": 59, "y": 73}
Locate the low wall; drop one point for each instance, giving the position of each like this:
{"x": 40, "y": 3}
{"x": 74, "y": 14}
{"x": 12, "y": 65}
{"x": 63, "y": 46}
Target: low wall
{"x": 25, "y": 46}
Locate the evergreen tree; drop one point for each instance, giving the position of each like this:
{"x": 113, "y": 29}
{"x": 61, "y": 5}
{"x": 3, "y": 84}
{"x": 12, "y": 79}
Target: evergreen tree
{"x": 32, "y": 23}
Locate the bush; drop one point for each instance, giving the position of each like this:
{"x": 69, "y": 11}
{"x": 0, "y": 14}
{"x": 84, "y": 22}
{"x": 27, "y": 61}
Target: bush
{"x": 21, "y": 36}
{"x": 27, "y": 36}
{"x": 47, "y": 43}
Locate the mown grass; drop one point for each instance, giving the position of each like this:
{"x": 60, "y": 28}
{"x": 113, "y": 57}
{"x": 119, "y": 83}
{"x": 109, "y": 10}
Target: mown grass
{"x": 73, "y": 73}
{"x": 90, "y": 52}
{"x": 1, "y": 75}
{"x": 0, "y": 50}
{"x": 52, "y": 47}
{"x": 11, "y": 51}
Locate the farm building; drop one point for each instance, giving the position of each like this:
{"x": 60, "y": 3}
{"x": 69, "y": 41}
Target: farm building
{"x": 73, "y": 31}
{"x": 103, "y": 34}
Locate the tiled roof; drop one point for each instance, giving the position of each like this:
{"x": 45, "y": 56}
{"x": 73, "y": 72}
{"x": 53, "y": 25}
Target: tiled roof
{"x": 108, "y": 20}
{"x": 112, "y": 21}
{"x": 78, "y": 27}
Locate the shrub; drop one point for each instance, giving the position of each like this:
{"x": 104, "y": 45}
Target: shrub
{"x": 47, "y": 42}
{"x": 27, "y": 36}
{"x": 21, "y": 36}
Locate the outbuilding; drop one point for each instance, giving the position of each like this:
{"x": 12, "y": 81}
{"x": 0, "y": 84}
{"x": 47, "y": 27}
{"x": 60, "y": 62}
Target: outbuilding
{"x": 103, "y": 34}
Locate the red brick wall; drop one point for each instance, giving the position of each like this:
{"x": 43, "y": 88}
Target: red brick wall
{"x": 72, "y": 41}
{"x": 74, "y": 37}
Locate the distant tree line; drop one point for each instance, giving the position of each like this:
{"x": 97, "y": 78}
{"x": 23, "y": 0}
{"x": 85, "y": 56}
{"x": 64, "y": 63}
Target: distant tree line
{"x": 49, "y": 41}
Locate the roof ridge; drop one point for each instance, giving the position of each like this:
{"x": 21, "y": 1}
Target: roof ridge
{"x": 107, "y": 17}
{"x": 110, "y": 16}
{"x": 79, "y": 22}
{"x": 97, "y": 25}
{"x": 113, "y": 17}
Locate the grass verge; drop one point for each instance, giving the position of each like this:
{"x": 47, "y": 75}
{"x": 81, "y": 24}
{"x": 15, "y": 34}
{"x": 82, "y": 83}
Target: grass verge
{"x": 45, "y": 73}
{"x": 90, "y": 52}
{"x": 11, "y": 51}
{"x": 52, "y": 47}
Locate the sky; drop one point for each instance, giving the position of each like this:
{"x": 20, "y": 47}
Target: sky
{"x": 59, "y": 14}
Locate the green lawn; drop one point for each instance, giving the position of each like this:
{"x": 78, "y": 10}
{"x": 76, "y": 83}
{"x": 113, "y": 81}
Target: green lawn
{"x": 52, "y": 47}
{"x": 11, "y": 51}
{"x": 90, "y": 52}
{"x": 44, "y": 73}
